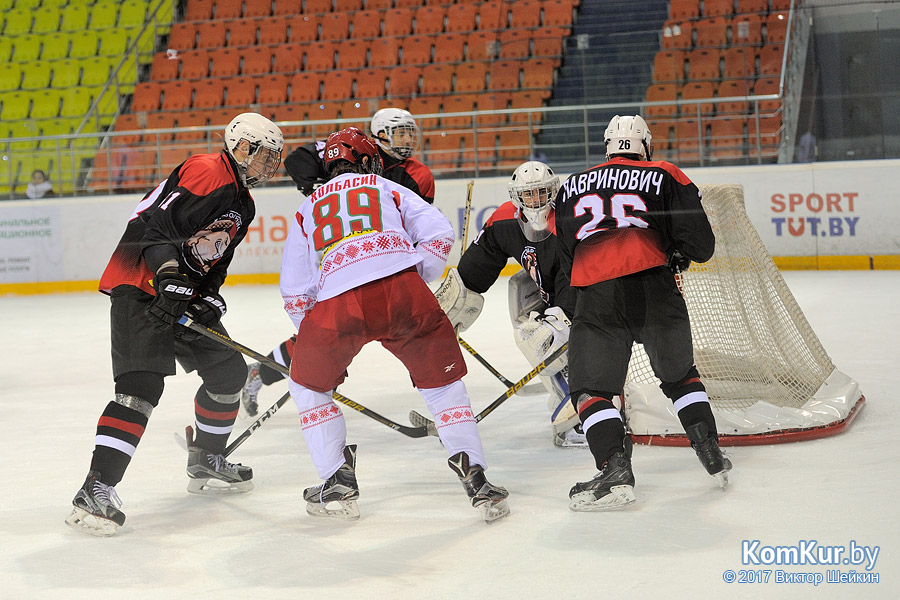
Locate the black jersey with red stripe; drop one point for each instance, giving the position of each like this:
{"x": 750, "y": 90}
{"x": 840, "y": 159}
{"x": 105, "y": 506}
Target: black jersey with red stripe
{"x": 500, "y": 239}
{"x": 624, "y": 215}
{"x": 197, "y": 216}
{"x": 306, "y": 167}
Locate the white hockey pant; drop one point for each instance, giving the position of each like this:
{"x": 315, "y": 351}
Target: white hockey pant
{"x": 455, "y": 420}
{"x": 323, "y": 427}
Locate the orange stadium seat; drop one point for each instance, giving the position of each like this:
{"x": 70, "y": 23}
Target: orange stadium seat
{"x": 429, "y": 19}
{"x": 347, "y": 5}
{"x": 684, "y": 9}
{"x": 548, "y": 43}
{"x": 712, "y": 32}
{"x": 459, "y": 103}
{"x": 718, "y": 8}
{"x": 370, "y": 83}
{"x": 697, "y": 90}
{"x": 305, "y": 87}
{"x": 190, "y": 118}
{"x": 183, "y": 36}
{"x": 739, "y": 63}
{"x": 703, "y": 63}
{"x": 194, "y": 64}
{"x": 209, "y": 93}
{"x": 460, "y": 18}
{"x": 317, "y": 6}
{"x": 726, "y": 138}
{"x": 479, "y": 151}
{"x": 272, "y": 30}
{"x": 257, "y": 9}
{"x": 493, "y": 101}
{"x": 335, "y": 26}
{"x": 273, "y": 89}
{"x": 731, "y": 88}
{"x": 770, "y": 59}
{"x": 240, "y": 91}
{"x": 538, "y": 73}
{"x": 230, "y": 9}
{"x": 366, "y": 23}
{"x": 383, "y": 51}
{"x": 287, "y": 58}
{"x": 355, "y": 109}
{"x": 257, "y": 60}
{"x": 779, "y": 5}
{"x": 746, "y": 30}
{"x": 437, "y": 79}
{"x": 425, "y": 105}
{"x": 159, "y": 120}
{"x": 351, "y": 54}
{"x": 176, "y": 95}
{"x": 404, "y": 81}
{"x": 752, "y": 6}
{"x": 241, "y": 32}
{"x": 199, "y": 10}
{"x": 127, "y": 122}
{"x": 379, "y": 4}
{"x": 668, "y": 66}
{"x": 662, "y": 92}
{"x": 442, "y": 151}
{"x": 677, "y": 35}
{"x": 323, "y": 111}
{"x": 416, "y": 50}
{"x": 319, "y": 56}
{"x": 449, "y": 48}
{"x": 493, "y": 15}
{"x": 688, "y": 139}
{"x": 470, "y": 77}
{"x": 514, "y": 147}
{"x": 302, "y": 28}
{"x": 526, "y": 99}
{"x": 164, "y": 68}
{"x": 288, "y": 7}
{"x": 525, "y": 13}
{"x": 146, "y": 96}
{"x": 211, "y": 34}
{"x": 763, "y": 87}
{"x": 398, "y": 22}
{"x": 225, "y": 62}
{"x": 776, "y": 27}
{"x": 481, "y": 45}
{"x": 514, "y": 43}
{"x": 338, "y": 85}
{"x": 505, "y": 74}
{"x": 558, "y": 13}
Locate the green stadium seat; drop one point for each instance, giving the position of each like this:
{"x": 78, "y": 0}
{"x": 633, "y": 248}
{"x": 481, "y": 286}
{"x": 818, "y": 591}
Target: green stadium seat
{"x": 6, "y": 47}
{"x": 114, "y": 41}
{"x": 26, "y": 48}
{"x": 27, "y": 4}
{"x": 132, "y": 13}
{"x": 16, "y": 106}
{"x": 76, "y": 102}
{"x": 10, "y": 77}
{"x": 18, "y": 22}
{"x": 46, "y": 20}
{"x": 95, "y": 71}
{"x": 45, "y": 104}
{"x": 74, "y": 18}
{"x": 36, "y": 75}
{"x": 56, "y": 45}
{"x": 104, "y": 15}
{"x": 66, "y": 73}
{"x": 83, "y": 44}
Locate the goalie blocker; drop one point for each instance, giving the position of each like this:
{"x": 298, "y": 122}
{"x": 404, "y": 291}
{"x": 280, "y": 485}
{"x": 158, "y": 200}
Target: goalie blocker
{"x": 461, "y": 305}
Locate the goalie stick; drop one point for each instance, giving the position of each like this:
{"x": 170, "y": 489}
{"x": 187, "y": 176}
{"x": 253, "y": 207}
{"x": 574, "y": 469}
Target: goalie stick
{"x": 527, "y": 390}
{"x": 421, "y": 421}
{"x": 467, "y": 211}
{"x": 414, "y": 432}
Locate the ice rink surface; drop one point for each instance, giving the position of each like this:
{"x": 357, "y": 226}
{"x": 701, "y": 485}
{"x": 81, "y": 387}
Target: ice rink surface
{"x": 418, "y": 537}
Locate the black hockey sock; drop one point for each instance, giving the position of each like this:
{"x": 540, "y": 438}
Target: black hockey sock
{"x": 118, "y": 432}
{"x": 214, "y": 421}
{"x": 605, "y": 435}
{"x": 698, "y": 412}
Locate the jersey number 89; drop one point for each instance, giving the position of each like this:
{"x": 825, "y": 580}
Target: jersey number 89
{"x": 341, "y": 214}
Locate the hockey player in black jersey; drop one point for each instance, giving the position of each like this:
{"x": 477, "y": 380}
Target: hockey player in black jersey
{"x": 171, "y": 261}
{"x": 540, "y": 299}
{"x": 626, "y": 228}
{"x": 397, "y": 135}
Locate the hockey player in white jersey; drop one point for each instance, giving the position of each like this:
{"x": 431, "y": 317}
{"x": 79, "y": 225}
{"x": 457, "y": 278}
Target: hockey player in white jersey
{"x": 355, "y": 263}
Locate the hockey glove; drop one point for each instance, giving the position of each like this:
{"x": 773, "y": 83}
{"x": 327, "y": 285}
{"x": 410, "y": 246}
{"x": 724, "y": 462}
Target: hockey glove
{"x": 677, "y": 262}
{"x": 173, "y": 295}
{"x": 206, "y": 309}
{"x": 461, "y": 305}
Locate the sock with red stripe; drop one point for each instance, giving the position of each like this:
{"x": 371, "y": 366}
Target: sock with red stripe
{"x": 690, "y": 400}
{"x": 603, "y": 426}
{"x": 119, "y": 431}
{"x": 214, "y": 417}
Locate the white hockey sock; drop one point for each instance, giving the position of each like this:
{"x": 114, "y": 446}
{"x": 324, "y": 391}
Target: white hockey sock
{"x": 455, "y": 420}
{"x": 323, "y": 427}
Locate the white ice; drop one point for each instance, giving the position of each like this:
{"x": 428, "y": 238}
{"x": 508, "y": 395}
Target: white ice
{"x": 418, "y": 537}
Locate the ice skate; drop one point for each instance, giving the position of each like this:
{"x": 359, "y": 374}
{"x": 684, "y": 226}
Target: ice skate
{"x": 211, "y": 474}
{"x": 251, "y": 390}
{"x": 488, "y": 498}
{"x": 612, "y": 487}
{"x": 571, "y": 438}
{"x": 96, "y": 508}
{"x": 340, "y": 488}
{"x": 707, "y": 448}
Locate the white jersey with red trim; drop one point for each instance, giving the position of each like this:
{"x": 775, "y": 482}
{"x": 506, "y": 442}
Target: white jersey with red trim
{"x": 354, "y": 229}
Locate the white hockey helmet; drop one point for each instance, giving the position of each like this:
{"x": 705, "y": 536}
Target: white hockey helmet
{"x": 532, "y": 189}
{"x": 396, "y": 132}
{"x": 266, "y": 143}
{"x": 628, "y": 135}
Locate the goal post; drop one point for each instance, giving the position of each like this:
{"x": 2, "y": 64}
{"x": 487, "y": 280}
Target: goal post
{"x": 768, "y": 377}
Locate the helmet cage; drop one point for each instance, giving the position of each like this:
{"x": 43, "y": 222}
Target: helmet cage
{"x": 533, "y": 191}
{"x": 396, "y": 132}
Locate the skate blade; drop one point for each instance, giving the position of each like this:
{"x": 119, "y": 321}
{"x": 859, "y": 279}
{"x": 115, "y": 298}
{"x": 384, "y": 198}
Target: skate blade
{"x": 216, "y": 487}
{"x": 559, "y": 442}
{"x": 618, "y": 496}
{"x": 493, "y": 511}
{"x": 348, "y": 511}
{"x": 82, "y": 520}
{"x": 722, "y": 479}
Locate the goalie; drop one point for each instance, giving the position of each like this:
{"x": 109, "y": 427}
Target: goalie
{"x": 539, "y": 296}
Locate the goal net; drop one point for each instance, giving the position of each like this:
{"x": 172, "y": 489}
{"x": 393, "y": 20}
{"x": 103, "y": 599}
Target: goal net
{"x": 768, "y": 377}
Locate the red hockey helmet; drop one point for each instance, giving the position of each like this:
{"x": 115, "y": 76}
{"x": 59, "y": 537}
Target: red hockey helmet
{"x": 353, "y": 146}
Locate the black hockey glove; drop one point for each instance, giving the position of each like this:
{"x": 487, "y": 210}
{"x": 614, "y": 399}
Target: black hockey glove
{"x": 206, "y": 309}
{"x": 677, "y": 262}
{"x": 173, "y": 294}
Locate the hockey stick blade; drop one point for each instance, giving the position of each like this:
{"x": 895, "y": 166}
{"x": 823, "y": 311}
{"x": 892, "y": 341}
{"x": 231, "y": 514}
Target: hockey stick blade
{"x": 227, "y": 341}
{"x": 417, "y": 418}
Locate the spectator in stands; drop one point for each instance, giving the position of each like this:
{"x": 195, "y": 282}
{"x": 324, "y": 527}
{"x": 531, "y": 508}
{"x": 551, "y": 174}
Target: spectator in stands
{"x": 39, "y": 186}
